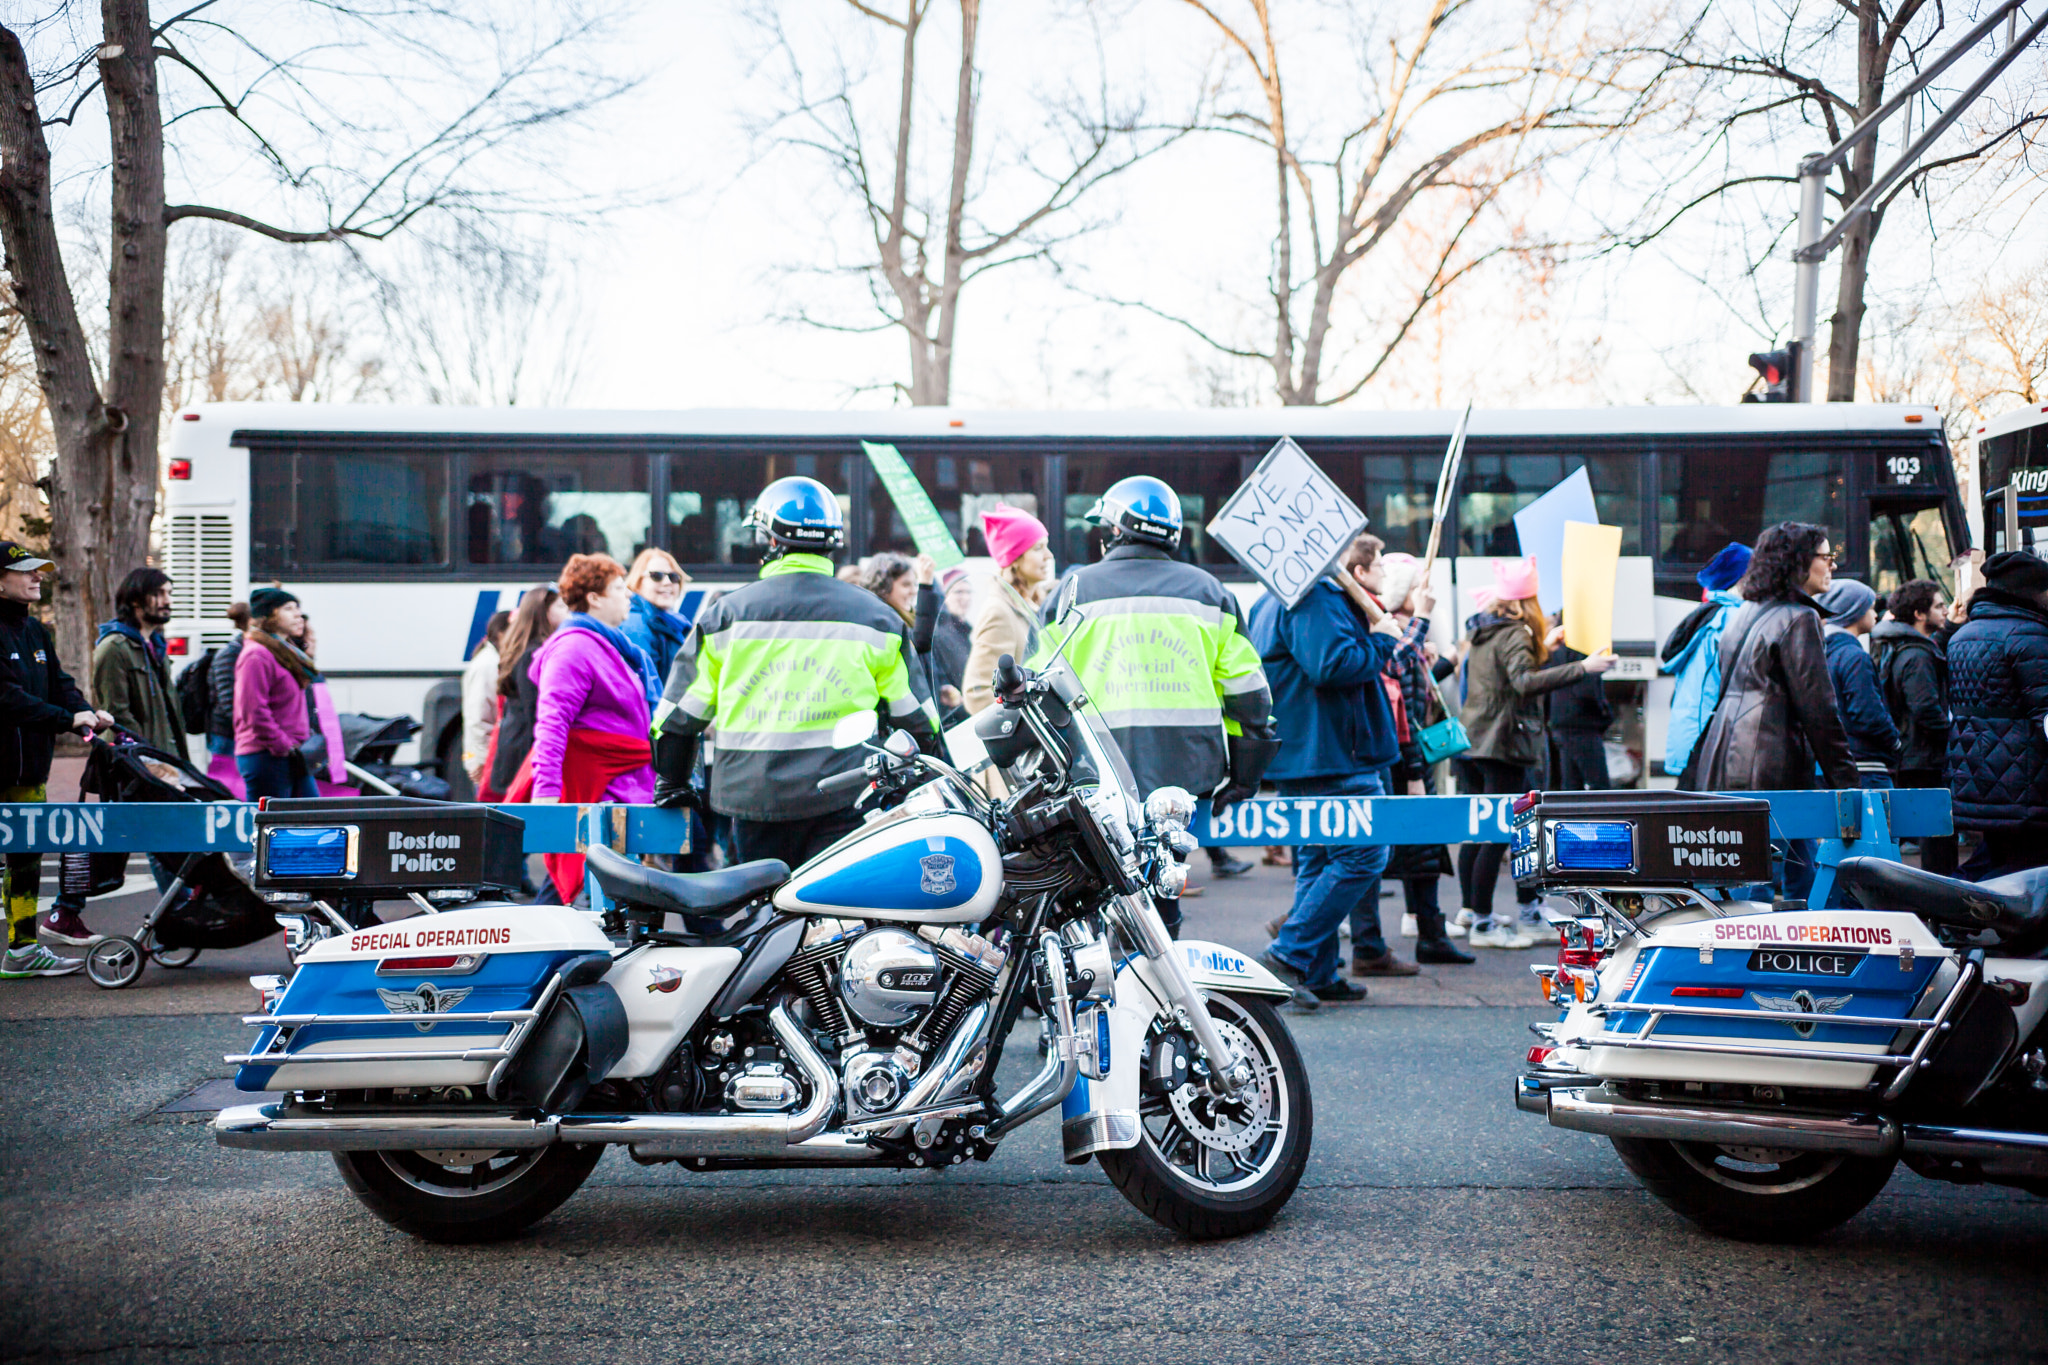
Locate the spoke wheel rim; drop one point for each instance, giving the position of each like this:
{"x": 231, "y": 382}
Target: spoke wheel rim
{"x": 460, "y": 1175}
{"x": 114, "y": 959}
{"x": 1759, "y": 1170}
{"x": 1222, "y": 1149}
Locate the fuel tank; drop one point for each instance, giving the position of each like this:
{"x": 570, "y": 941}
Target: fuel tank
{"x": 936, "y": 868}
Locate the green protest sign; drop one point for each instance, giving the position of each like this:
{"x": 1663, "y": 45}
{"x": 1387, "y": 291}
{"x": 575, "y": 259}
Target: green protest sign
{"x": 926, "y": 527}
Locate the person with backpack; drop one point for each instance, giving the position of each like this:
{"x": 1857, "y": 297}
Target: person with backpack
{"x": 1692, "y": 655}
{"x": 1912, "y": 672}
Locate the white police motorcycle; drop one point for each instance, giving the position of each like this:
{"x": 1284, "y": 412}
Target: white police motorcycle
{"x": 468, "y": 1068}
{"x": 1762, "y": 1068}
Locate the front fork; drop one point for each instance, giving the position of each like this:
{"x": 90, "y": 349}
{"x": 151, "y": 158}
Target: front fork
{"x": 1228, "y": 1072}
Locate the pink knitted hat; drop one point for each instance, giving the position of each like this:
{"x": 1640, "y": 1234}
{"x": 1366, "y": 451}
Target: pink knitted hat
{"x": 1513, "y": 579}
{"x": 1010, "y": 532}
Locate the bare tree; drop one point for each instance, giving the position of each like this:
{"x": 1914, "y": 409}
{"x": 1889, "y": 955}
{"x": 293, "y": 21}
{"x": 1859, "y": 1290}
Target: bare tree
{"x": 368, "y": 119}
{"x": 1772, "y": 82}
{"x": 1442, "y": 119}
{"x": 920, "y": 248}
{"x": 25, "y": 441}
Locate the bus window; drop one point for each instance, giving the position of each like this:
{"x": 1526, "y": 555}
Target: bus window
{"x": 1392, "y": 486}
{"x": 539, "y": 506}
{"x": 1496, "y": 486}
{"x": 962, "y": 484}
{"x": 1905, "y": 545}
{"x": 312, "y": 508}
{"x": 711, "y": 493}
{"x": 1203, "y": 483}
{"x": 1709, "y": 495}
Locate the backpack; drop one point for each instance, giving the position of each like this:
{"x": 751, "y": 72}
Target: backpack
{"x": 195, "y": 694}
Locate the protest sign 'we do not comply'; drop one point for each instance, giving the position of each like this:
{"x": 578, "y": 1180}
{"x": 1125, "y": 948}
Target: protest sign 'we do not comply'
{"x": 1288, "y": 523}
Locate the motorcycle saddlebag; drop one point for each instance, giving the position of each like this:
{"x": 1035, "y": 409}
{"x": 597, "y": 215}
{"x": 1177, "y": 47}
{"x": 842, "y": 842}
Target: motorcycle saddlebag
{"x": 1640, "y": 838}
{"x": 412, "y": 1003}
{"x": 1765, "y": 991}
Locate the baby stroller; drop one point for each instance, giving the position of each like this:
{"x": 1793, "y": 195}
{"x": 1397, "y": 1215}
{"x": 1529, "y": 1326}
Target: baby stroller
{"x": 209, "y": 904}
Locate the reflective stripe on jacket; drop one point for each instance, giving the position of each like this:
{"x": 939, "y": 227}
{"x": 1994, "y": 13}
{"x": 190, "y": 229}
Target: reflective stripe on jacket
{"x": 770, "y": 668}
{"x": 1162, "y": 651}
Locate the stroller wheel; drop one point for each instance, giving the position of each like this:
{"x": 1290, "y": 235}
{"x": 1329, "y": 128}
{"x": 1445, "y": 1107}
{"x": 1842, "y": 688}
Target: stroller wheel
{"x": 115, "y": 962}
{"x": 175, "y": 957}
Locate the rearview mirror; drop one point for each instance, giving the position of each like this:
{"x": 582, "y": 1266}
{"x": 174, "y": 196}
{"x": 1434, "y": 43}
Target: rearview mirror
{"x": 1070, "y": 591}
{"x": 857, "y": 728}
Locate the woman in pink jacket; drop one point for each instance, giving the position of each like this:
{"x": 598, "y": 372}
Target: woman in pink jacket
{"x": 271, "y": 719}
{"x": 596, "y": 695}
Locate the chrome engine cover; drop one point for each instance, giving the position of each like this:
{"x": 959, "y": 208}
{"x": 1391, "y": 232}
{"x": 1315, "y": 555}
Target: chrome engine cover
{"x": 889, "y": 979}
{"x": 762, "y": 1086}
{"x": 874, "y": 1082}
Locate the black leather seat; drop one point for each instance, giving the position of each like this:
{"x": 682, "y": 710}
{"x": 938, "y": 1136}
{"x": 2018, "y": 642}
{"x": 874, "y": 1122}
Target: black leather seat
{"x": 2015, "y": 907}
{"x": 699, "y": 895}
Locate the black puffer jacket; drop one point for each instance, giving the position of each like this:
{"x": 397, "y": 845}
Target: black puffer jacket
{"x": 1912, "y": 669}
{"x": 37, "y": 698}
{"x": 1998, "y": 692}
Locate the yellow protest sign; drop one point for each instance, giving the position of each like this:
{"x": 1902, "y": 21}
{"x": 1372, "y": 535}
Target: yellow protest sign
{"x": 1592, "y": 558}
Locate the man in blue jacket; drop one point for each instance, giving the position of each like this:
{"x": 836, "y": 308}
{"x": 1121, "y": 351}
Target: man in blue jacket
{"x": 1849, "y": 612}
{"x": 1323, "y": 658}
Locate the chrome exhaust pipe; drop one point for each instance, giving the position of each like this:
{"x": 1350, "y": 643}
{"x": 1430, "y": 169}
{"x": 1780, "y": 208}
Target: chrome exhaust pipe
{"x": 2000, "y": 1153}
{"x": 687, "y": 1135}
{"x": 274, "y": 1128}
{"x": 1598, "y": 1111}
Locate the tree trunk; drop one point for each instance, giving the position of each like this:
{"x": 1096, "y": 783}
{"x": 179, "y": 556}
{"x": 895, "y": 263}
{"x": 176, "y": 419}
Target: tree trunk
{"x": 1845, "y": 329}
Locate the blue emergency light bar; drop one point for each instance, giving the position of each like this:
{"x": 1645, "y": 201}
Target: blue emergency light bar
{"x": 1593, "y": 846}
{"x": 326, "y": 851}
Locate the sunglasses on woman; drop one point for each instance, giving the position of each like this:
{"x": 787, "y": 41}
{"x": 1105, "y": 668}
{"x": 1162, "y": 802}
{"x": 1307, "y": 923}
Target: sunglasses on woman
{"x": 664, "y": 576}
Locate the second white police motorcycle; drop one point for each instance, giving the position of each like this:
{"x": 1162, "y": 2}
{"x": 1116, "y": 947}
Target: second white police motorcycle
{"x": 1763, "y": 1068}
{"x": 468, "y": 1068}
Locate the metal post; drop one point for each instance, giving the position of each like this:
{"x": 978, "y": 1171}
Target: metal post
{"x": 1813, "y": 188}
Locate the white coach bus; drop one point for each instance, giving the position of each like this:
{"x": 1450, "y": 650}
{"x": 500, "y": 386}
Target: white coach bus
{"x": 404, "y": 528}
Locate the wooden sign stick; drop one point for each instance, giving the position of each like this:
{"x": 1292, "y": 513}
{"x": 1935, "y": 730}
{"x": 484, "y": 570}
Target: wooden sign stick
{"x": 1446, "y": 486}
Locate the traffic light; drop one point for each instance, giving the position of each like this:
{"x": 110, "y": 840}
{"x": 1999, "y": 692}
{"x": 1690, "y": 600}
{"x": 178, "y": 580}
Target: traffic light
{"x": 1775, "y": 369}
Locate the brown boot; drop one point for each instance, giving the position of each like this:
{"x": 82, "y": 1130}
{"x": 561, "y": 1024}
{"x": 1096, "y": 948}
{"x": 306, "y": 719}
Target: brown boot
{"x": 1386, "y": 964}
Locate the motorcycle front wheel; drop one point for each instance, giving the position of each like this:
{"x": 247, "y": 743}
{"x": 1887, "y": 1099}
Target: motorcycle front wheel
{"x": 1209, "y": 1168}
{"x": 1758, "y": 1194}
{"x": 467, "y": 1196}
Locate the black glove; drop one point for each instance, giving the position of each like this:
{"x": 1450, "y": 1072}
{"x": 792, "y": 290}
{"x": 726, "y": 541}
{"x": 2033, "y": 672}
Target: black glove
{"x": 1249, "y": 755}
{"x": 678, "y": 796}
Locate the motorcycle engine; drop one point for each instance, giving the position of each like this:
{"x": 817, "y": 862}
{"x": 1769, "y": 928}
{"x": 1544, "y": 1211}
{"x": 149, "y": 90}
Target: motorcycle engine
{"x": 889, "y": 978}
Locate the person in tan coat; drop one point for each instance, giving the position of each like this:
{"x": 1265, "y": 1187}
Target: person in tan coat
{"x": 1008, "y": 621}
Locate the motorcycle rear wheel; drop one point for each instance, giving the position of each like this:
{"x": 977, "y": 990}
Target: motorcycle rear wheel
{"x": 467, "y": 1196}
{"x": 1756, "y": 1194}
{"x": 1208, "y": 1173}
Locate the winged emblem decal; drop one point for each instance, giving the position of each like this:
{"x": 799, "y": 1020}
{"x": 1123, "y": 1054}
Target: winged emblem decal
{"x": 425, "y": 998}
{"x": 1802, "y": 1003}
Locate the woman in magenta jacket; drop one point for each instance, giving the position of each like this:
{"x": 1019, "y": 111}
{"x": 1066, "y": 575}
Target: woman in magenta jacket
{"x": 596, "y": 695}
{"x": 271, "y": 719}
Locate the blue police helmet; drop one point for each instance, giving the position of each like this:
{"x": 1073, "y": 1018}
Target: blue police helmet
{"x": 1140, "y": 508}
{"x": 798, "y": 513}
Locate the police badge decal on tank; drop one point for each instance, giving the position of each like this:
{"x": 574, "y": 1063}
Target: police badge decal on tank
{"x": 926, "y": 869}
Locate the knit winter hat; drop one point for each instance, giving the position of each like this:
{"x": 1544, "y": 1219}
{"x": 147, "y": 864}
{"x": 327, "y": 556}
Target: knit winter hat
{"x": 1513, "y": 580}
{"x": 264, "y": 601}
{"x": 1845, "y": 602}
{"x": 1010, "y": 532}
{"x": 1725, "y": 569}
{"x": 1399, "y": 573}
{"x": 2020, "y": 572}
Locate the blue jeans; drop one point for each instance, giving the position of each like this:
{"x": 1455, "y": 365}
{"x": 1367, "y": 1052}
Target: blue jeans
{"x": 275, "y": 775}
{"x": 1332, "y": 881}
{"x": 220, "y": 744}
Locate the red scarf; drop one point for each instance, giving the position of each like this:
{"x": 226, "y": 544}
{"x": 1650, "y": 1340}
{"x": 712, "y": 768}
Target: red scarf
{"x": 590, "y": 760}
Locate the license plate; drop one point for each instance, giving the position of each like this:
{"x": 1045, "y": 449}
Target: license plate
{"x": 1805, "y": 961}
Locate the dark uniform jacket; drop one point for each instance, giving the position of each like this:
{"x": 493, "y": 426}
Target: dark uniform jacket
{"x": 37, "y": 698}
{"x": 1776, "y": 718}
{"x": 1998, "y": 690}
{"x": 1912, "y": 670}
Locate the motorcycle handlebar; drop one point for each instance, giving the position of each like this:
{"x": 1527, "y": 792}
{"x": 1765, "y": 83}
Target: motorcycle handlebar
{"x": 858, "y": 777}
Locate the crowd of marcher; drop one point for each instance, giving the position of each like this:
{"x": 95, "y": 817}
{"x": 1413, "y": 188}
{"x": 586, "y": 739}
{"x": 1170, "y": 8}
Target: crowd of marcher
{"x": 596, "y": 687}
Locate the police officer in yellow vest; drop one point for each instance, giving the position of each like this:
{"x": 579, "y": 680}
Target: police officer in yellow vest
{"x": 1160, "y": 647}
{"x": 769, "y": 669}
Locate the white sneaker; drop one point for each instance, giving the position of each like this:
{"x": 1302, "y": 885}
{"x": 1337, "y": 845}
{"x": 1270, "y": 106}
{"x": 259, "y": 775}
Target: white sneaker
{"x": 1409, "y": 928}
{"x": 1501, "y": 933}
{"x": 35, "y": 960}
{"x": 1460, "y": 924}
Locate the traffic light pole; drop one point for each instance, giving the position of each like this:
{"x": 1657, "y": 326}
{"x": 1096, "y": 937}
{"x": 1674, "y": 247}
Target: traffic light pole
{"x": 1814, "y": 243}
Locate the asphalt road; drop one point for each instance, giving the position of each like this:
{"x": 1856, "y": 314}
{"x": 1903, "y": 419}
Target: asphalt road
{"x": 1435, "y": 1223}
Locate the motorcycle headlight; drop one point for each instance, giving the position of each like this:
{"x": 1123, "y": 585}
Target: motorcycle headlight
{"x": 1169, "y": 808}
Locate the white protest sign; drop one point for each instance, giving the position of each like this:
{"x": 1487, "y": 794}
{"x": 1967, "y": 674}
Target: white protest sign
{"x": 1288, "y": 523}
